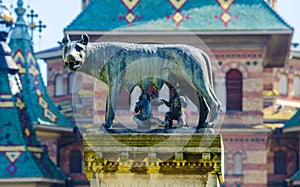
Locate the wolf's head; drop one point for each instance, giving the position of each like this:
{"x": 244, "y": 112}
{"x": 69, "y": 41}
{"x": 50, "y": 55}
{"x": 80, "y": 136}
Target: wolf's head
{"x": 74, "y": 52}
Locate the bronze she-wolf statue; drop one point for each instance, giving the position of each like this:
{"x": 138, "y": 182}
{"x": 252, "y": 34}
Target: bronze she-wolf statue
{"x": 128, "y": 65}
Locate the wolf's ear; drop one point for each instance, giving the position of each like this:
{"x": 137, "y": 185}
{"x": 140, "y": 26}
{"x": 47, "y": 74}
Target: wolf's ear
{"x": 85, "y": 39}
{"x": 66, "y": 39}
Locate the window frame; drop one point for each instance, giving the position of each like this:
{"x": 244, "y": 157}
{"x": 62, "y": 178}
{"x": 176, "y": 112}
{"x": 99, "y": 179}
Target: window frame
{"x": 56, "y": 84}
{"x": 72, "y": 162}
{"x": 234, "y": 98}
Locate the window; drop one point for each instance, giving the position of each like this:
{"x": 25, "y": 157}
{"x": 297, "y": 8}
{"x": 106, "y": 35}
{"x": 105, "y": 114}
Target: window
{"x": 237, "y": 164}
{"x": 58, "y": 85}
{"x": 234, "y": 90}
{"x": 70, "y": 83}
{"x": 75, "y": 161}
{"x": 225, "y": 164}
{"x": 296, "y": 85}
{"x": 280, "y": 163}
{"x": 283, "y": 84}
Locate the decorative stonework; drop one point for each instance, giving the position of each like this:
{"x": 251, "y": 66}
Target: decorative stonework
{"x": 235, "y": 65}
{"x": 155, "y": 156}
{"x": 240, "y": 54}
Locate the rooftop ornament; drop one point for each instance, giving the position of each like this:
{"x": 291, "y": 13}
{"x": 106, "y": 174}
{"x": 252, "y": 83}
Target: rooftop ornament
{"x": 32, "y": 25}
{"x": 6, "y": 21}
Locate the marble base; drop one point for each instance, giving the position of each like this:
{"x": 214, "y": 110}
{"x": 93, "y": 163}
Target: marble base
{"x": 154, "y": 180}
{"x": 173, "y": 158}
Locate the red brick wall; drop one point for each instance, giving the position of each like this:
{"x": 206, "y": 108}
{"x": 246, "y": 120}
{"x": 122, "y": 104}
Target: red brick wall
{"x": 64, "y": 161}
{"x": 253, "y": 147}
{"x": 292, "y": 69}
{"x": 289, "y": 145}
{"x": 51, "y": 146}
{"x": 250, "y": 63}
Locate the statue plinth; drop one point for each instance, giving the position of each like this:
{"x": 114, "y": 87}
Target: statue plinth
{"x": 177, "y": 157}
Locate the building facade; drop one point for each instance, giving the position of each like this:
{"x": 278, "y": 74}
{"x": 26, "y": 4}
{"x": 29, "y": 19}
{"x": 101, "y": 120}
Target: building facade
{"x": 247, "y": 49}
{"x": 284, "y": 141}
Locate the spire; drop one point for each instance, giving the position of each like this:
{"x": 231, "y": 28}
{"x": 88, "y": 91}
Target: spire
{"x": 41, "y": 109}
{"x": 19, "y": 146}
{"x": 20, "y": 149}
{"x": 6, "y": 21}
{"x": 20, "y": 30}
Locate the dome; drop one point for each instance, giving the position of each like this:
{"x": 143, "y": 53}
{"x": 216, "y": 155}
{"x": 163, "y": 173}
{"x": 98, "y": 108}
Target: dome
{"x": 6, "y": 21}
{"x": 5, "y": 15}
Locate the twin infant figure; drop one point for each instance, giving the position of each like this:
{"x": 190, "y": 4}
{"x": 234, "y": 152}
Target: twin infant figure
{"x": 145, "y": 118}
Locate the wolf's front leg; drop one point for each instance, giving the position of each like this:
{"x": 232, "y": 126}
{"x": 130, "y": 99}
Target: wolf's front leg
{"x": 111, "y": 103}
{"x": 203, "y": 113}
{"x": 108, "y": 117}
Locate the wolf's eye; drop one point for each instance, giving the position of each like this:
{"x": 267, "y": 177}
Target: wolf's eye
{"x": 78, "y": 48}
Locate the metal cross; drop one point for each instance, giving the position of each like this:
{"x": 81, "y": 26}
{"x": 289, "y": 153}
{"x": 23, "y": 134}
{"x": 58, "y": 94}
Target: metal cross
{"x": 32, "y": 25}
{"x": 40, "y": 26}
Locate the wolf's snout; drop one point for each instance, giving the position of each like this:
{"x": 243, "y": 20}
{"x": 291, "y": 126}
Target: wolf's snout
{"x": 69, "y": 60}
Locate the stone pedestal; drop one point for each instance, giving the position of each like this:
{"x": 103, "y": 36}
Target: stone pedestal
{"x": 180, "y": 158}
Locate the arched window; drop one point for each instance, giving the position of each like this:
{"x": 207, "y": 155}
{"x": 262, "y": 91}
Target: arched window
{"x": 237, "y": 164}
{"x": 234, "y": 90}
{"x": 75, "y": 161}
{"x": 71, "y": 78}
{"x": 58, "y": 85}
{"x": 283, "y": 84}
{"x": 225, "y": 164}
{"x": 280, "y": 163}
{"x": 296, "y": 85}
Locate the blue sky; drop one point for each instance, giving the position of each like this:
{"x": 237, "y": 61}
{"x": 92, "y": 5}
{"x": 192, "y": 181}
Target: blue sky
{"x": 57, "y": 14}
{"x": 289, "y": 11}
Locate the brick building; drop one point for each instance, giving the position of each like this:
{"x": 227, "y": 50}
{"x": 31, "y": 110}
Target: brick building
{"x": 247, "y": 49}
{"x": 283, "y": 154}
